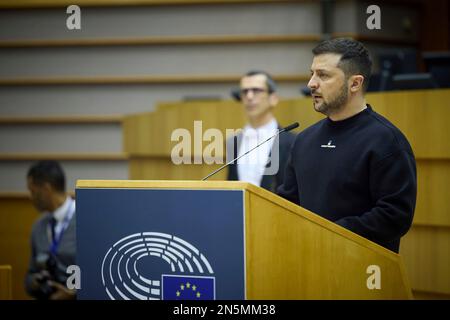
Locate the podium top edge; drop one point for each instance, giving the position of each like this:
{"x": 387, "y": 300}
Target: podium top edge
{"x": 164, "y": 184}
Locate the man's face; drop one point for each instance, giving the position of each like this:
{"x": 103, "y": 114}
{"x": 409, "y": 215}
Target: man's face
{"x": 40, "y": 195}
{"x": 255, "y": 96}
{"x": 328, "y": 84}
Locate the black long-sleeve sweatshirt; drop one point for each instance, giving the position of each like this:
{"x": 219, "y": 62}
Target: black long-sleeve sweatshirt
{"x": 359, "y": 173}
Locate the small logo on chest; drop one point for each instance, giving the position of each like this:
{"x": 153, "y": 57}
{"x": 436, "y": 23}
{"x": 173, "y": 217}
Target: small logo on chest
{"x": 329, "y": 145}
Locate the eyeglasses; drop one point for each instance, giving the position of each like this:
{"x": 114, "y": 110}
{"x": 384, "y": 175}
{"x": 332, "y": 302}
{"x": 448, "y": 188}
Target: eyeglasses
{"x": 255, "y": 91}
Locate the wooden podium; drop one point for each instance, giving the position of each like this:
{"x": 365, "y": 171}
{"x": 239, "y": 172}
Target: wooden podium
{"x": 287, "y": 252}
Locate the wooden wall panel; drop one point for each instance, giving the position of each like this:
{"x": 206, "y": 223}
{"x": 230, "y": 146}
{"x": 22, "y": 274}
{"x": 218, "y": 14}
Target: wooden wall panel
{"x": 424, "y": 295}
{"x": 164, "y": 169}
{"x": 426, "y": 251}
{"x": 16, "y": 219}
{"x": 433, "y": 206}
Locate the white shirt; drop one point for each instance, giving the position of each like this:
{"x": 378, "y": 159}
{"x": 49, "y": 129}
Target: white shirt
{"x": 67, "y": 208}
{"x": 252, "y": 166}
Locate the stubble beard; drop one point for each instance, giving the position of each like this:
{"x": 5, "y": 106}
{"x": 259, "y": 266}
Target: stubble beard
{"x": 335, "y": 105}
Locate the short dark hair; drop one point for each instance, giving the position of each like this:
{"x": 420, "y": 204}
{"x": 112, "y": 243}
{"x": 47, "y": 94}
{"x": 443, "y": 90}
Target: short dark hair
{"x": 271, "y": 85}
{"x": 48, "y": 171}
{"x": 355, "y": 57}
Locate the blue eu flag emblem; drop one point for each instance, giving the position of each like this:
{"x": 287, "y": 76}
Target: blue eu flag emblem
{"x": 176, "y": 287}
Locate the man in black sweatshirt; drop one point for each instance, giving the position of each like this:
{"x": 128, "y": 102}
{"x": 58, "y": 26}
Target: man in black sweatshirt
{"x": 355, "y": 167}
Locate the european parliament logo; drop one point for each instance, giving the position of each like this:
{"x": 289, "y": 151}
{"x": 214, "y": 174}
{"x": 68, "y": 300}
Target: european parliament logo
{"x": 177, "y": 287}
{"x": 190, "y": 278}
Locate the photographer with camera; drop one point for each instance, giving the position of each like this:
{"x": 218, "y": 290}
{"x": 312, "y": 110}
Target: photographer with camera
{"x": 53, "y": 237}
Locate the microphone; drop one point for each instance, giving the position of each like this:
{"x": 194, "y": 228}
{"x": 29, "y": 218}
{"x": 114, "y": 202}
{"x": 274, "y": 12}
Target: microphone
{"x": 288, "y": 128}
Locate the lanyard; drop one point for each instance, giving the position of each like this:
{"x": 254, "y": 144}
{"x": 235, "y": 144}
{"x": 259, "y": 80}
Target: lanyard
{"x": 56, "y": 239}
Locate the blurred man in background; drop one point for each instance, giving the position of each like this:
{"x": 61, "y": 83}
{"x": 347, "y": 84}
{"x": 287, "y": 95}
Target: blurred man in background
{"x": 265, "y": 165}
{"x": 53, "y": 242}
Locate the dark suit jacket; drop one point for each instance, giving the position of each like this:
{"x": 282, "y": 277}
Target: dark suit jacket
{"x": 269, "y": 182}
{"x": 40, "y": 248}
